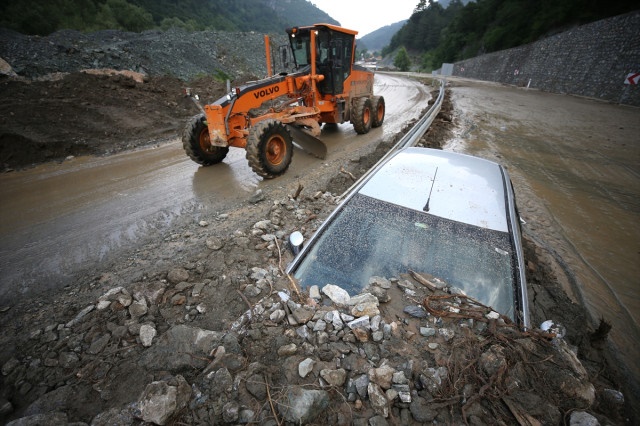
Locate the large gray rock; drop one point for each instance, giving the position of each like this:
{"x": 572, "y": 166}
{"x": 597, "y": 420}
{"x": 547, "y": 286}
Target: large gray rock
{"x": 99, "y": 344}
{"x": 147, "y": 333}
{"x": 138, "y": 309}
{"x": 431, "y": 378}
{"x": 181, "y": 347}
{"x": 49, "y": 419}
{"x": 574, "y": 381}
{"x": 362, "y": 383}
{"x": 363, "y": 298}
{"x": 257, "y": 386}
{"x": 338, "y": 295}
{"x": 334, "y": 377}
{"x": 582, "y": 418}
{"x": 150, "y": 291}
{"x": 378, "y": 400}
{"x": 80, "y": 316}
{"x": 177, "y": 275}
{"x": 160, "y": 401}
{"x": 301, "y": 405}
{"x": 57, "y": 400}
{"x": 113, "y": 417}
{"x": 378, "y": 421}
{"x": 230, "y": 412}
{"x": 5, "y": 407}
{"x": 305, "y": 367}
{"x": 223, "y": 381}
{"x": 9, "y": 366}
{"x": 420, "y": 410}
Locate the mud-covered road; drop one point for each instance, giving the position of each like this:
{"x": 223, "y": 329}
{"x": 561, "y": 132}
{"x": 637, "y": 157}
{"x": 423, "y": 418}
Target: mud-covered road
{"x": 575, "y": 165}
{"x": 59, "y": 218}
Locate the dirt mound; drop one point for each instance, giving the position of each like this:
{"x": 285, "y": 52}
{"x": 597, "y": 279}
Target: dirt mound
{"x": 50, "y": 108}
{"x": 403, "y": 352}
{"x": 86, "y": 113}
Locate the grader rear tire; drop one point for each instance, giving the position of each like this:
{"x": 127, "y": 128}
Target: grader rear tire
{"x": 378, "y": 111}
{"x": 363, "y": 116}
{"x": 269, "y": 149}
{"x": 197, "y": 144}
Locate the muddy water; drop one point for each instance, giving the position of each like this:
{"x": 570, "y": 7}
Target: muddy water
{"x": 56, "y": 219}
{"x": 575, "y": 164}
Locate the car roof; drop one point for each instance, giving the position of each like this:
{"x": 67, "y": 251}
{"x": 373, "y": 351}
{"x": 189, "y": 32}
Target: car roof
{"x": 466, "y": 189}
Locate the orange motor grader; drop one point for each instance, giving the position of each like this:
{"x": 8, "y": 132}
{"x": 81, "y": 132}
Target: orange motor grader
{"x": 265, "y": 117}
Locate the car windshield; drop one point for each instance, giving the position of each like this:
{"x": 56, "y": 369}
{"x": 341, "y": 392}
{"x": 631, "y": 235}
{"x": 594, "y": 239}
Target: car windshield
{"x": 370, "y": 237}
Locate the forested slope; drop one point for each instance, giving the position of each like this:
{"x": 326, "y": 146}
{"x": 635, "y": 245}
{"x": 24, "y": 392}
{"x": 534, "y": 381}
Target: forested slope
{"x": 463, "y": 31}
{"x": 42, "y": 18}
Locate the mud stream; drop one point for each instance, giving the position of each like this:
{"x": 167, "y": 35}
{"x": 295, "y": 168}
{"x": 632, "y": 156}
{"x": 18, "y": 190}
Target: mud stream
{"x": 56, "y": 219}
{"x": 575, "y": 165}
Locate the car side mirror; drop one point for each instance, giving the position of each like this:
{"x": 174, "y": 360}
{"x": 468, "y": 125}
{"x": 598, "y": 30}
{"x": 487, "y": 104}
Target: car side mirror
{"x": 295, "y": 241}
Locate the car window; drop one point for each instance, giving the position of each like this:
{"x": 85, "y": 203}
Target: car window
{"x": 370, "y": 237}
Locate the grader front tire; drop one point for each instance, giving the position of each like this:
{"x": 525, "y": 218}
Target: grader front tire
{"x": 197, "y": 144}
{"x": 269, "y": 149}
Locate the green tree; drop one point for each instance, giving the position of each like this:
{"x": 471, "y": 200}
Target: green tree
{"x": 428, "y": 61}
{"x": 422, "y": 5}
{"x": 402, "y": 60}
{"x": 128, "y": 16}
{"x": 174, "y": 22}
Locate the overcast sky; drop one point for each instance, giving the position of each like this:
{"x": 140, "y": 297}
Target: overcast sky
{"x": 366, "y": 16}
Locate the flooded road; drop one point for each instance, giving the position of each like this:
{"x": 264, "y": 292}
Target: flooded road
{"x": 58, "y": 218}
{"x": 575, "y": 165}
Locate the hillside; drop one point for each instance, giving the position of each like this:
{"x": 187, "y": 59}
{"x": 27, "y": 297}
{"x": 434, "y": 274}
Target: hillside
{"x": 381, "y": 37}
{"x": 35, "y": 17}
{"x": 463, "y": 31}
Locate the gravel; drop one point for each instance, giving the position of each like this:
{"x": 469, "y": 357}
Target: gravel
{"x": 175, "y": 52}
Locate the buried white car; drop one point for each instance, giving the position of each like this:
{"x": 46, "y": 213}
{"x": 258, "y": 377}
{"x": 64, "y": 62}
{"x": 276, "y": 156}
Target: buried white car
{"x": 448, "y": 215}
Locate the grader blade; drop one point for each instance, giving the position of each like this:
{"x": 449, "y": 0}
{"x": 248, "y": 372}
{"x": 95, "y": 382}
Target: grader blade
{"x": 308, "y": 142}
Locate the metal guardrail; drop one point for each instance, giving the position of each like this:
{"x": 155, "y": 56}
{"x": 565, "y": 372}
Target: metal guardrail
{"x": 411, "y": 138}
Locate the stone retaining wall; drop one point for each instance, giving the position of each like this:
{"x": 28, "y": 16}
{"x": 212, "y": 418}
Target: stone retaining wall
{"x": 591, "y": 60}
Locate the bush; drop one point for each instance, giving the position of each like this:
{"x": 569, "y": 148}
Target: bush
{"x": 402, "y": 60}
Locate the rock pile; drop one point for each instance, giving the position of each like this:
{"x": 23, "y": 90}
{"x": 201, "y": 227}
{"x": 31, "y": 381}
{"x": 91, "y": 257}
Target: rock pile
{"x": 220, "y": 335}
{"x": 380, "y": 357}
{"x": 175, "y": 52}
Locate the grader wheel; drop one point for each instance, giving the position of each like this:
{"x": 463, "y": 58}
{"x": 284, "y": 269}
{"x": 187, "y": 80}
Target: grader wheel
{"x": 363, "y": 116}
{"x": 196, "y": 143}
{"x": 269, "y": 148}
